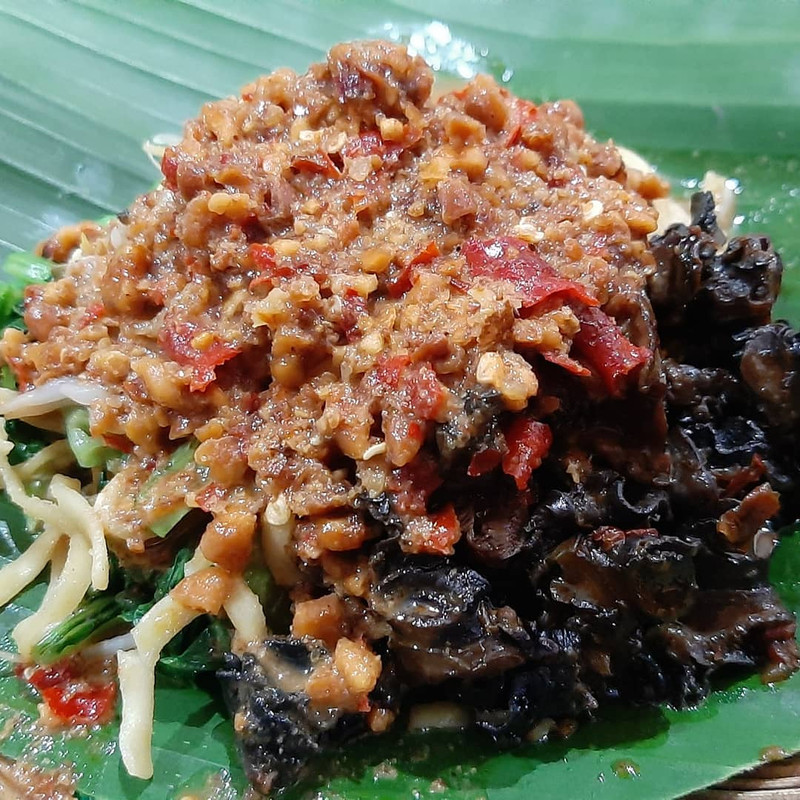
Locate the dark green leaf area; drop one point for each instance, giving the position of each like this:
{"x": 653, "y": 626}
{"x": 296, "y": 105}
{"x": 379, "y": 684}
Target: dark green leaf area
{"x": 28, "y": 441}
{"x": 274, "y": 600}
{"x": 137, "y": 603}
{"x": 90, "y": 622}
{"x": 198, "y": 648}
{"x": 694, "y": 86}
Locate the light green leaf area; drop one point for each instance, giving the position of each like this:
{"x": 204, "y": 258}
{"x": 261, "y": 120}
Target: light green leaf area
{"x": 693, "y": 86}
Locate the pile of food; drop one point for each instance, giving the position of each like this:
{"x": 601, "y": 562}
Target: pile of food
{"x": 378, "y": 400}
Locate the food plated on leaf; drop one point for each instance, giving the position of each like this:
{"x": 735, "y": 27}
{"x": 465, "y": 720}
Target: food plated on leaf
{"x": 383, "y": 406}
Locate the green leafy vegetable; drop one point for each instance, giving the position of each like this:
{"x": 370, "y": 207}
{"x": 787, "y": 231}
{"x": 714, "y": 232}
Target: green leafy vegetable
{"x": 7, "y": 379}
{"x": 178, "y": 461}
{"x": 28, "y": 441}
{"x": 197, "y": 649}
{"x": 274, "y": 599}
{"x": 165, "y": 524}
{"x": 88, "y": 451}
{"x": 181, "y": 459}
{"x": 694, "y": 86}
{"x": 9, "y": 314}
{"x": 22, "y": 269}
{"x": 165, "y": 582}
{"x": 18, "y": 271}
{"x": 90, "y": 622}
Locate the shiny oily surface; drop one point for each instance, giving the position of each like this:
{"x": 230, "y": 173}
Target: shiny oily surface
{"x": 691, "y": 88}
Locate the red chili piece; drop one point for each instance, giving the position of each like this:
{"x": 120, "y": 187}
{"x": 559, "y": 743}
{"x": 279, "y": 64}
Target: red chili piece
{"x": 317, "y": 163}
{"x": 353, "y": 306}
{"x": 46, "y": 677}
{"x": 389, "y": 370}
{"x": 523, "y": 112}
{"x": 528, "y": 442}
{"x": 442, "y": 533}
{"x": 413, "y": 484}
{"x": 264, "y": 257}
{"x": 483, "y": 462}
{"x": 601, "y": 344}
{"x": 425, "y": 392}
{"x": 426, "y": 255}
{"x": 121, "y": 443}
{"x": 371, "y": 143}
{"x": 563, "y": 360}
{"x": 71, "y": 699}
{"x": 81, "y": 706}
{"x": 402, "y": 278}
{"x": 208, "y": 498}
{"x": 511, "y": 259}
{"x": 93, "y": 312}
{"x": 400, "y": 281}
{"x": 177, "y": 341}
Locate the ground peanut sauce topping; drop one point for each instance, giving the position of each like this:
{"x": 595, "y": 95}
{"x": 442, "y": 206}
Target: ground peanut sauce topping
{"x": 332, "y": 270}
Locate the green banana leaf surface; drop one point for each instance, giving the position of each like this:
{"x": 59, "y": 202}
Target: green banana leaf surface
{"x": 692, "y": 86}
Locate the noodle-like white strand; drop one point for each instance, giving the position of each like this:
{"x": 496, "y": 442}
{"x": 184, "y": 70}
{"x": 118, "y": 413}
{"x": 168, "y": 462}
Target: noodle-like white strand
{"x": 57, "y": 560}
{"x": 105, "y": 503}
{"x": 108, "y": 647}
{"x": 84, "y": 520}
{"x": 197, "y": 562}
{"x": 276, "y": 544}
{"x": 159, "y": 625}
{"x": 62, "y": 598}
{"x": 137, "y": 681}
{"x": 16, "y": 575}
{"x": 51, "y": 396}
{"x": 54, "y": 458}
{"x": 245, "y": 612}
{"x": 137, "y": 688}
{"x": 34, "y": 507}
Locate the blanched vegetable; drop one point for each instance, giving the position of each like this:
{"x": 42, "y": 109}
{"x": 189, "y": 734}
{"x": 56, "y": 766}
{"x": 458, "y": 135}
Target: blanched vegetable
{"x": 89, "y": 452}
{"x": 180, "y": 460}
{"x": 274, "y": 599}
{"x": 93, "y": 619}
{"x": 22, "y": 269}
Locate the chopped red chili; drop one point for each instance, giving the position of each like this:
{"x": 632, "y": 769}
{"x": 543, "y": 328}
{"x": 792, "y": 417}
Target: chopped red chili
{"x": 603, "y": 347}
{"x": 70, "y": 698}
{"x": 511, "y": 259}
{"x": 569, "y": 364}
{"x": 442, "y": 532}
{"x": 371, "y": 143}
{"x": 483, "y": 462}
{"x": 390, "y": 369}
{"x": 426, "y": 255}
{"x": 93, "y": 312}
{"x": 177, "y": 341}
{"x": 426, "y": 393}
{"x": 81, "y": 706}
{"x": 528, "y": 442}
{"x": 264, "y": 257}
{"x": 318, "y": 163}
{"x": 413, "y": 484}
{"x": 523, "y": 111}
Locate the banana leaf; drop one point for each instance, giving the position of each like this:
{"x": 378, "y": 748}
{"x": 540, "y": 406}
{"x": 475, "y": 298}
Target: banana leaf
{"x": 693, "y": 86}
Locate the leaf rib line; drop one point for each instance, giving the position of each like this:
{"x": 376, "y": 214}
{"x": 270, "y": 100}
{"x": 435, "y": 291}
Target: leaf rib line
{"x": 316, "y": 47}
{"x": 169, "y": 34}
{"x": 93, "y": 48}
{"x": 74, "y": 144}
